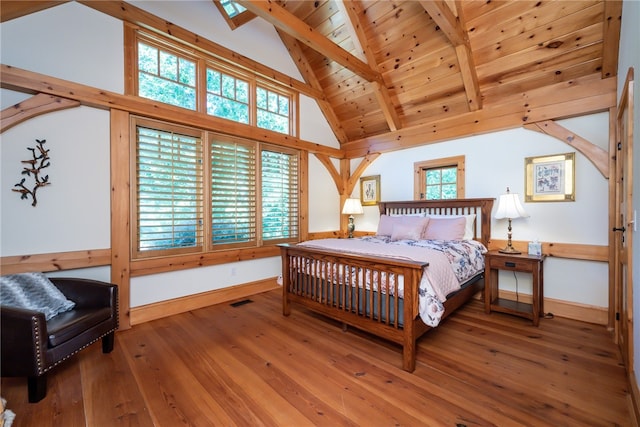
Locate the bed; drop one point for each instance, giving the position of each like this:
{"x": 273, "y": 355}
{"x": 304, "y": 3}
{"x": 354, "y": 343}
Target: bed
{"x": 384, "y": 294}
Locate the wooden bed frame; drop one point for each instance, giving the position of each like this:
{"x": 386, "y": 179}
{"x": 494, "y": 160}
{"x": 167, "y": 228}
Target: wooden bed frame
{"x": 332, "y": 295}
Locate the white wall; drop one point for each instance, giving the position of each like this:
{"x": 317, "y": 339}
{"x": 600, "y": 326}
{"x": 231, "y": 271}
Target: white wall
{"x": 630, "y": 57}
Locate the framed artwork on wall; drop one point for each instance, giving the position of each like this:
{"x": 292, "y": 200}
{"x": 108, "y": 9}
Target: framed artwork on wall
{"x": 550, "y": 178}
{"x": 370, "y": 190}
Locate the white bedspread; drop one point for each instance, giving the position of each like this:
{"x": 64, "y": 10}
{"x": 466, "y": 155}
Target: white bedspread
{"x": 450, "y": 264}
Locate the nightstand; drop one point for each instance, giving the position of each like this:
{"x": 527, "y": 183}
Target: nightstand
{"x": 496, "y": 261}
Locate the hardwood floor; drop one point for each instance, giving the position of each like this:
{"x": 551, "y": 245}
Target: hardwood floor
{"x": 250, "y": 366}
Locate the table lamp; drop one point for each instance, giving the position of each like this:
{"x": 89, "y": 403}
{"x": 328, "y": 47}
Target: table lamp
{"x": 509, "y": 207}
{"x": 352, "y": 207}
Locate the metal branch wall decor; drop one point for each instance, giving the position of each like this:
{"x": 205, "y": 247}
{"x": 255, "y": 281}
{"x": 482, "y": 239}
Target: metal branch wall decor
{"x": 39, "y": 161}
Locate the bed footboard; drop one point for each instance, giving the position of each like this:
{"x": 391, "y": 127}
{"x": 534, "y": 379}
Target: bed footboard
{"x": 377, "y": 295}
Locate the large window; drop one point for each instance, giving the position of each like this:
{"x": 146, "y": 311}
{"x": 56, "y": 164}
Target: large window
{"x": 439, "y": 179}
{"x": 198, "y": 191}
{"x": 188, "y": 78}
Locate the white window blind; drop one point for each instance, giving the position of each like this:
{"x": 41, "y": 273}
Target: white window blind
{"x": 280, "y": 206}
{"x": 233, "y": 192}
{"x": 169, "y": 190}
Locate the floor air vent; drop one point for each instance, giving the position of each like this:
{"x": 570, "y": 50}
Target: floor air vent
{"x": 239, "y": 303}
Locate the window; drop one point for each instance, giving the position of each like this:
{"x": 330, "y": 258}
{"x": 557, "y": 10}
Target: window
{"x": 233, "y": 191}
{"x": 234, "y": 13}
{"x": 178, "y": 75}
{"x": 231, "y": 8}
{"x": 166, "y": 77}
{"x": 168, "y": 190}
{"x": 279, "y": 195}
{"x": 273, "y": 110}
{"x": 439, "y": 179}
{"x": 227, "y": 96}
{"x": 252, "y": 191}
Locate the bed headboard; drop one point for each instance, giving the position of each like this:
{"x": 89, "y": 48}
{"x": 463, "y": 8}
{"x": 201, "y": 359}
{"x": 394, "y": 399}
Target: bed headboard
{"x": 480, "y": 207}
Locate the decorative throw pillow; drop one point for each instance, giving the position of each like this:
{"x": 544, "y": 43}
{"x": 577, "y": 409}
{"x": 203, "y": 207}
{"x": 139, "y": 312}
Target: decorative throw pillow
{"x": 33, "y": 291}
{"x": 445, "y": 228}
{"x": 409, "y": 228}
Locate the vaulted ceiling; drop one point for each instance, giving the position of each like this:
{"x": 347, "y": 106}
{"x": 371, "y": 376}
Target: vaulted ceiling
{"x": 400, "y": 69}
{"x": 394, "y": 74}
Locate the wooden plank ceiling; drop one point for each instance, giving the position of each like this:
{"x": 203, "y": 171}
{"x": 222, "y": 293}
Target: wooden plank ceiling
{"x": 388, "y": 66}
{"x": 401, "y": 73}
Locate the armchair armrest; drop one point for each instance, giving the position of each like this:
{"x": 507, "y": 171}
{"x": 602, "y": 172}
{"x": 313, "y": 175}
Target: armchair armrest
{"x": 21, "y": 329}
{"x": 87, "y": 293}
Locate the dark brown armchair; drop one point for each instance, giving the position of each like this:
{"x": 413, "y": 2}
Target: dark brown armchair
{"x": 31, "y": 346}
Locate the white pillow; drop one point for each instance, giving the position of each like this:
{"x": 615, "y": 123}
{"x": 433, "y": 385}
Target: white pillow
{"x": 468, "y": 229}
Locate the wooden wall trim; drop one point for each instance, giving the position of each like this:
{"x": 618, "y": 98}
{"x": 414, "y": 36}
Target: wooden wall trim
{"x": 55, "y": 261}
{"x": 20, "y": 80}
{"x": 560, "y": 250}
{"x": 32, "y": 107}
{"x": 161, "y": 309}
{"x": 120, "y": 172}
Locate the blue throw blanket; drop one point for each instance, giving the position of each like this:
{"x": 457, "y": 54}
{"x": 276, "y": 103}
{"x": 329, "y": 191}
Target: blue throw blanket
{"x": 33, "y": 291}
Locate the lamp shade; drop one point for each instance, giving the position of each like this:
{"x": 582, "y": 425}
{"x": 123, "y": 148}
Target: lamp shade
{"x": 352, "y": 207}
{"x": 509, "y": 206}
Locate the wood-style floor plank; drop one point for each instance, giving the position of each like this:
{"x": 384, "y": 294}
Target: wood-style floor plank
{"x": 249, "y": 365}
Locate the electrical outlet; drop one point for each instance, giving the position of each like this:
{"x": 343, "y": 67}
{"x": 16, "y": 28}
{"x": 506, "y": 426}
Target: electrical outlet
{"x": 234, "y": 272}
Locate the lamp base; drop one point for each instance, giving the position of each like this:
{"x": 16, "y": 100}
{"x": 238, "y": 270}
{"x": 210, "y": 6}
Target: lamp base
{"x": 510, "y": 250}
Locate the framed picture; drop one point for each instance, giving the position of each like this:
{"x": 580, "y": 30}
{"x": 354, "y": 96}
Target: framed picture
{"x": 370, "y": 190}
{"x": 550, "y": 178}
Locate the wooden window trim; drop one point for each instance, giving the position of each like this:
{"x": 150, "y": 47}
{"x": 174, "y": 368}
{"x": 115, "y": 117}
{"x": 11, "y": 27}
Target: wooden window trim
{"x": 204, "y": 60}
{"x": 420, "y": 167}
{"x": 206, "y": 247}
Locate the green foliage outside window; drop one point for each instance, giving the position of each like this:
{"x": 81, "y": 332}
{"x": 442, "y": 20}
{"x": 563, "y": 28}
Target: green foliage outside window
{"x": 441, "y": 183}
{"x": 165, "y": 77}
{"x": 170, "y": 77}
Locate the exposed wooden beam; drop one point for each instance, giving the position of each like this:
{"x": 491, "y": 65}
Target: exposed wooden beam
{"x": 611, "y": 43}
{"x": 34, "y": 106}
{"x": 15, "y": 9}
{"x": 30, "y": 82}
{"x": 454, "y": 31}
{"x": 446, "y": 20}
{"x": 280, "y": 18}
{"x": 560, "y": 100}
{"x": 595, "y": 154}
{"x": 353, "y": 10}
{"x": 364, "y": 164}
{"x": 335, "y": 175}
{"x": 295, "y": 50}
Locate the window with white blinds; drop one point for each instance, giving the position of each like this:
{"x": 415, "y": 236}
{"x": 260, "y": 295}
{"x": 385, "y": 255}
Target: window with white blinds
{"x": 280, "y": 206}
{"x": 169, "y": 190}
{"x": 197, "y": 191}
{"x": 233, "y": 191}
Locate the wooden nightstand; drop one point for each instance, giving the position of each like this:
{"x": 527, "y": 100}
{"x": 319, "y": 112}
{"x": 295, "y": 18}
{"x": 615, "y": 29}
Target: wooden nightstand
{"x": 495, "y": 261}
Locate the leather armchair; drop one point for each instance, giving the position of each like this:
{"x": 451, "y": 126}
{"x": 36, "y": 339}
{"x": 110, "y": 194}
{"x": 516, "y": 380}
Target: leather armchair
{"x": 32, "y": 346}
